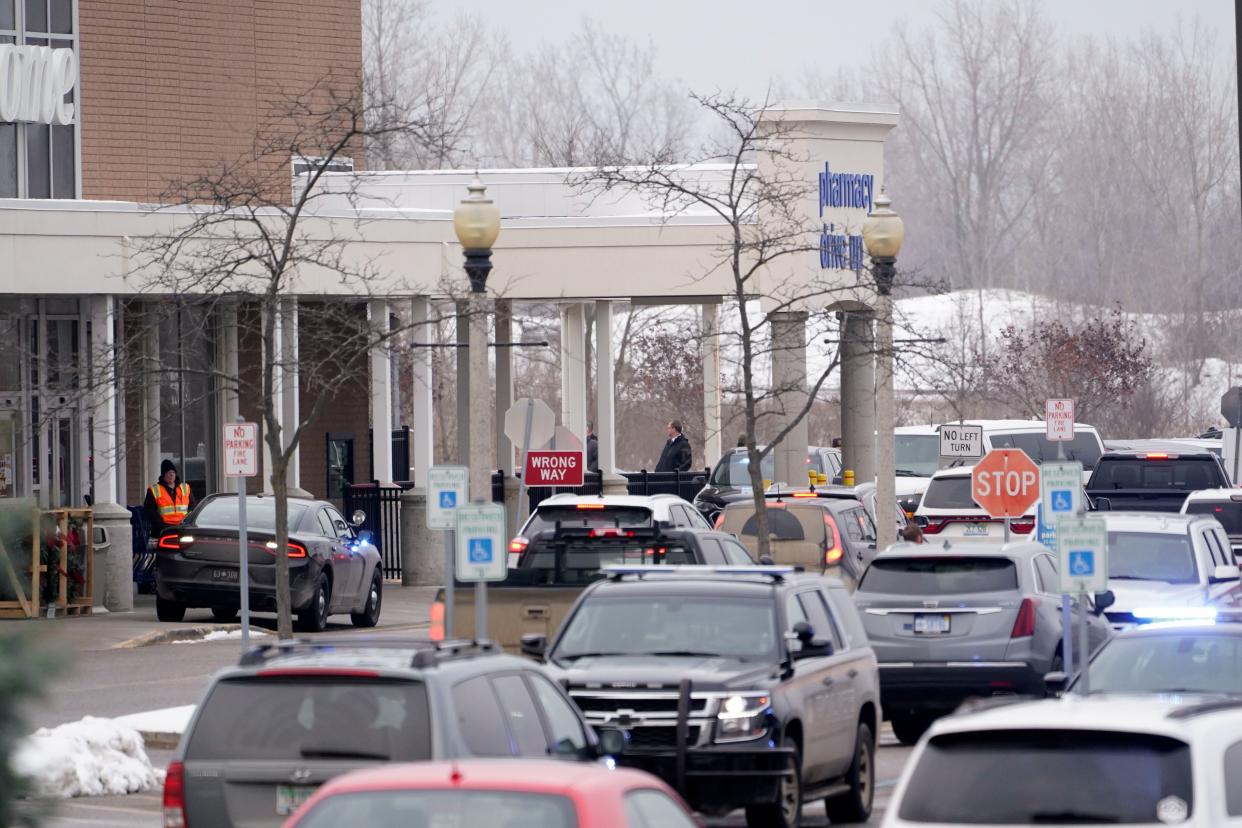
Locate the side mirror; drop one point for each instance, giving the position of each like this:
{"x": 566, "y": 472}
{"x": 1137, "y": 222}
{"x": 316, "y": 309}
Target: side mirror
{"x": 1226, "y": 573}
{"x": 358, "y": 518}
{"x": 1105, "y": 599}
{"x": 921, "y": 521}
{"x": 1103, "y": 504}
{"x": 534, "y": 645}
{"x": 766, "y": 560}
{"x": 1056, "y": 682}
{"x": 611, "y": 742}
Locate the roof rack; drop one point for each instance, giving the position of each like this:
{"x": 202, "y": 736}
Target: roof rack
{"x": 449, "y": 650}
{"x": 427, "y": 653}
{"x": 1190, "y": 711}
{"x": 616, "y": 572}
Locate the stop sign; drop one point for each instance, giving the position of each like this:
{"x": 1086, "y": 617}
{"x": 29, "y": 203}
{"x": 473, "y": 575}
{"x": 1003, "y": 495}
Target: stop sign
{"x": 1005, "y": 483}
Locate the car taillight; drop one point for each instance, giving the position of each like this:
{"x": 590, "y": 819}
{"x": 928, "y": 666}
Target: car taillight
{"x": 518, "y": 545}
{"x": 1024, "y": 626}
{"x": 834, "y": 553}
{"x": 933, "y": 526}
{"x": 174, "y": 796}
{"x": 296, "y": 550}
{"x": 1023, "y": 526}
{"x": 436, "y": 632}
{"x": 1160, "y": 455}
{"x": 170, "y": 542}
{"x": 610, "y": 533}
{"x": 592, "y": 506}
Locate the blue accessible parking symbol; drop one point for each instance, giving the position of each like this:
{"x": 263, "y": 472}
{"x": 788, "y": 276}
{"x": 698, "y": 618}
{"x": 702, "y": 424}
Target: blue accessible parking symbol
{"x": 1082, "y": 563}
{"x": 480, "y": 550}
{"x": 1062, "y": 500}
{"x": 448, "y": 500}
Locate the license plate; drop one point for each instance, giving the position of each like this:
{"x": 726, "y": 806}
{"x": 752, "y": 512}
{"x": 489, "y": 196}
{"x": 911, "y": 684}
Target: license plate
{"x": 290, "y": 797}
{"x": 976, "y": 530}
{"x": 224, "y": 574}
{"x": 931, "y": 624}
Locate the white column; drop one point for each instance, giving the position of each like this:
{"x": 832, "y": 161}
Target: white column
{"x": 152, "y": 381}
{"x": 858, "y": 396}
{"x": 605, "y": 401}
{"x": 712, "y": 443}
{"x": 121, "y": 386}
{"x": 291, "y": 413}
{"x": 277, "y": 400}
{"x": 106, "y": 458}
{"x": 422, "y": 435}
{"x": 573, "y": 369}
{"x": 504, "y": 384}
{"x": 226, "y": 368}
{"x": 886, "y": 460}
{"x": 381, "y": 394}
{"x": 790, "y": 386}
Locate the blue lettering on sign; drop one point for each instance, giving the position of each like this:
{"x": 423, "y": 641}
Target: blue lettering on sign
{"x": 1047, "y": 534}
{"x": 838, "y": 251}
{"x": 448, "y": 500}
{"x": 1062, "y": 500}
{"x": 1082, "y": 563}
{"x": 852, "y": 190}
{"x": 480, "y": 551}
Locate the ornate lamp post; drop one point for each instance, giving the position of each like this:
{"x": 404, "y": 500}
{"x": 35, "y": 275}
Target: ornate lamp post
{"x": 883, "y": 233}
{"x": 476, "y": 221}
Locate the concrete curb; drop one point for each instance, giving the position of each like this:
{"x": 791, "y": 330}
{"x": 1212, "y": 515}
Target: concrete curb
{"x": 160, "y": 741}
{"x": 181, "y": 634}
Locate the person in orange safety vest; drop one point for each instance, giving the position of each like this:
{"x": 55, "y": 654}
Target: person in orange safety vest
{"x": 168, "y": 501}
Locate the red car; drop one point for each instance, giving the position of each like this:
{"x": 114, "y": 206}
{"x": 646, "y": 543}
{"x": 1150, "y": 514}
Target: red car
{"x": 501, "y": 793}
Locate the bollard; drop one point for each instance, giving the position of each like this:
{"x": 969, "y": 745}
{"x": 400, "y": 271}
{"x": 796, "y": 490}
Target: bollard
{"x": 847, "y": 477}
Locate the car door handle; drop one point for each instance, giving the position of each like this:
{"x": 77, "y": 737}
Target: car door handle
{"x": 852, "y": 673}
{"x": 828, "y": 682}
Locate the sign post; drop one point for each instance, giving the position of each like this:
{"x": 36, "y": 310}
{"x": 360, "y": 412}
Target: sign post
{"x": 481, "y": 554}
{"x": 241, "y": 460}
{"x": 1082, "y": 546}
{"x": 446, "y": 493}
{"x": 1060, "y": 497}
{"x": 528, "y": 420}
{"x": 961, "y": 440}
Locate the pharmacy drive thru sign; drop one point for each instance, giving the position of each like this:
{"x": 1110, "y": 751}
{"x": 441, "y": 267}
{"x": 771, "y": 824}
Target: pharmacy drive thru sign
{"x": 1005, "y": 483}
{"x": 241, "y": 450}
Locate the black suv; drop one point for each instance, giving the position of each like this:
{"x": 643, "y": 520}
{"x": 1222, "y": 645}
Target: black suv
{"x": 294, "y": 715}
{"x": 1153, "y": 481}
{"x": 745, "y": 687}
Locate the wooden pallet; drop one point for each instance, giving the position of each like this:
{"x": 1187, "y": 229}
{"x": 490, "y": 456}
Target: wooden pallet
{"x": 26, "y": 604}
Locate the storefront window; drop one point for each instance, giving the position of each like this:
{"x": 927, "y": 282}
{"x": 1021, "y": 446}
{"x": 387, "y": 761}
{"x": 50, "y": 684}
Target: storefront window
{"x": 38, "y": 160}
{"x": 187, "y": 401}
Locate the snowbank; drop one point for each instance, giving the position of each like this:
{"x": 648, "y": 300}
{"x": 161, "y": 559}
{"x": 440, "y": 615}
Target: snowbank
{"x": 221, "y": 635}
{"x": 91, "y": 757}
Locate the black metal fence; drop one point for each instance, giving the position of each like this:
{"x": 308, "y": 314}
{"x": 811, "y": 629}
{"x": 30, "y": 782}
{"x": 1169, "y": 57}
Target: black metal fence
{"x": 382, "y": 507}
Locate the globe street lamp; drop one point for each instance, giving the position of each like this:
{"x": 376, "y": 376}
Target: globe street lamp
{"x": 883, "y": 232}
{"x": 476, "y": 221}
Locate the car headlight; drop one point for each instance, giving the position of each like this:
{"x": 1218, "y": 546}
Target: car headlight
{"x": 742, "y": 717}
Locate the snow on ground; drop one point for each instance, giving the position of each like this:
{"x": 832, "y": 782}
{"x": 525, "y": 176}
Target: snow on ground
{"x": 91, "y": 757}
{"x": 167, "y": 720}
{"x": 222, "y": 635}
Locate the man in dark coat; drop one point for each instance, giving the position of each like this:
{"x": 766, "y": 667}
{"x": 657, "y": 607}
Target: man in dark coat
{"x": 676, "y": 455}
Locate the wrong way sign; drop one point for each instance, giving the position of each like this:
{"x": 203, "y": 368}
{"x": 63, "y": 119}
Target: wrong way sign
{"x": 554, "y": 468}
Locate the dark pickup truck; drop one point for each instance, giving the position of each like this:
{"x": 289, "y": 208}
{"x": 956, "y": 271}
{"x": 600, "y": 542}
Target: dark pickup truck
{"x": 1149, "y": 481}
{"x": 560, "y": 562}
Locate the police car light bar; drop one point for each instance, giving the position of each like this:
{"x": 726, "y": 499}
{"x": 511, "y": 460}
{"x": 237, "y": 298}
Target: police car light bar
{"x": 1175, "y": 614}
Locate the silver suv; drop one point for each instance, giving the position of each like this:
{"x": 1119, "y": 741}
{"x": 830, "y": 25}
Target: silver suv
{"x": 951, "y": 623}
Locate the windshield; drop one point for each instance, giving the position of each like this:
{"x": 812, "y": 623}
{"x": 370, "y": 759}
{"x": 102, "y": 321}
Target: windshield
{"x": 1169, "y": 663}
{"x": 734, "y": 471}
{"x": 918, "y": 454}
{"x": 741, "y": 628}
{"x": 308, "y": 718}
{"x": 221, "y": 513}
{"x": 443, "y": 809}
{"x": 939, "y": 576}
{"x": 1085, "y": 447}
{"x": 1036, "y": 777}
{"x": 582, "y": 561}
{"x": 1152, "y": 556}
{"x": 1228, "y": 512}
{"x": 950, "y": 493}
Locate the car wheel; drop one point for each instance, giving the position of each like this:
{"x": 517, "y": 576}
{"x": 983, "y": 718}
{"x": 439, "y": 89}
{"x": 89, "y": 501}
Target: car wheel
{"x": 786, "y": 812}
{"x": 909, "y": 728}
{"x": 370, "y": 614}
{"x": 166, "y": 610}
{"x": 855, "y": 806}
{"x": 314, "y": 618}
{"x": 224, "y": 613}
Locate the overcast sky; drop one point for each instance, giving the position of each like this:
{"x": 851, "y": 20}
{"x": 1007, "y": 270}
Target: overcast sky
{"x": 710, "y": 44}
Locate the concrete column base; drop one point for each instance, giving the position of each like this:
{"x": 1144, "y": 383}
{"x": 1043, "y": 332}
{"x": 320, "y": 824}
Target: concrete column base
{"x": 422, "y": 549}
{"x": 298, "y": 491}
{"x": 614, "y": 484}
{"x": 115, "y": 589}
{"x": 515, "y": 505}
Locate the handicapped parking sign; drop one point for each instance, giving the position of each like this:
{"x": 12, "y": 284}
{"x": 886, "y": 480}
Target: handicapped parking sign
{"x": 448, "y": 500}
{"x": 1062, "y": 501}
{"x": 480, "y": 550}
{"x": 1082, "y": 563}
{"x": 1082, "y": 546}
